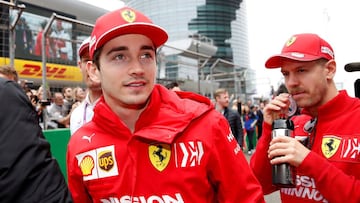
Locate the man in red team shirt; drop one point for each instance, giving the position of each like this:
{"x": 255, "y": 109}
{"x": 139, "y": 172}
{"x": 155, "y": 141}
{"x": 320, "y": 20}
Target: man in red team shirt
{"x": 146, "y": 143}
{"x": 328, "y": 167}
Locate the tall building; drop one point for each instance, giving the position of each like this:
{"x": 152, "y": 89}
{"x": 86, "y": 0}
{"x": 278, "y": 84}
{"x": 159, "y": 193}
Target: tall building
{"x": 207, "y": 43}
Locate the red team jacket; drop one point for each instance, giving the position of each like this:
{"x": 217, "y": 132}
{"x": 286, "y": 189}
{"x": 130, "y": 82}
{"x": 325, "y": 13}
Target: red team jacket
{"x": 331, "y": 171}
{"x": 182, "y": 151}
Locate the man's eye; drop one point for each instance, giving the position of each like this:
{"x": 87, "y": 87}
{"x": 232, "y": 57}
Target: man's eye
{"x": 145, "y": 56}
{"x": 301, "y": 70}
{"x": 285, "y": 74}
{"x": 119, "y": 57}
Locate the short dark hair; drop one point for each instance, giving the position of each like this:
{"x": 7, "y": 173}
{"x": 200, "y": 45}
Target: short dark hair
{"x": 171, "y": 85}
{"x": 96, "y": 57}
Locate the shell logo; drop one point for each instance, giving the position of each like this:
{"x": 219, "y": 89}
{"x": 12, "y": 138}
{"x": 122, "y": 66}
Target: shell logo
{"x": 87, "y": 165}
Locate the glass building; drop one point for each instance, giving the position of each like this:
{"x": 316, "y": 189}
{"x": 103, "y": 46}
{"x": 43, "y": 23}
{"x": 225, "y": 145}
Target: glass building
{"x": 208, "y": 43}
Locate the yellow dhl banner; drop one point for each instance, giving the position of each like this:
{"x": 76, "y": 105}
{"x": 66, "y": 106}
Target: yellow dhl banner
{"x": 33, "y": 69}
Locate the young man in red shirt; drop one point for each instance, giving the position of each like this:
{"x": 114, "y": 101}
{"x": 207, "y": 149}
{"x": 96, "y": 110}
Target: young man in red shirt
{"x": 146, "y": 143}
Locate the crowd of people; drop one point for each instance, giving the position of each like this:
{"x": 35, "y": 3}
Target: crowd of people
{"x": 58, "y": 105}
{"x": 137, "y": 141}
{"x": 245, "y": 119}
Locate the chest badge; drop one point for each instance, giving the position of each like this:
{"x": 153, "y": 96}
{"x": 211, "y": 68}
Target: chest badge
{"x": 159, "y": 155}
{"x": 330, "y": 145}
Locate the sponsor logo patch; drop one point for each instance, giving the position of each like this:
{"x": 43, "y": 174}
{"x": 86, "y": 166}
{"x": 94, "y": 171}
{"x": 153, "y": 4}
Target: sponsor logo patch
{"x": 106, "y": 162}
{"x": 330, "y": 145}
{"x": 159, "y": 155}
{"x": 87, "y": 165}
{"x": 128, "y": 15}
{"x": 305, "y": 189}
{"x": 290, "y": 41}
{"x": 351, "y": 149}
{"x": 98, "y": 163}
{"x": 188, "y": 154}
{"x": 166, "y": 198}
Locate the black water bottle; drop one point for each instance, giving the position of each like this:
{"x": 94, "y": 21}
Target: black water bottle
{"x": 283, "y": 175}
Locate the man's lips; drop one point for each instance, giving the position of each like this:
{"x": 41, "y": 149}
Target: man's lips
{"x": 135, "y": 84}
{"x": 297, "y": 94}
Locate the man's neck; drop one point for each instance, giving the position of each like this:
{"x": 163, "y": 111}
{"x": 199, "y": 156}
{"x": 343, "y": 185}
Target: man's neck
{"x": 129, "y": 114}
{"x": 94, "y": 95}
{"x": 219, "y": 107}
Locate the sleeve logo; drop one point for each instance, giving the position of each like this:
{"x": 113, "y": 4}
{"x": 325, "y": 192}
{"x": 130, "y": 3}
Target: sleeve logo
{"x": 106, "y": 160}
{"x": 98, "y": 163}
{"x": 87, "y": 165}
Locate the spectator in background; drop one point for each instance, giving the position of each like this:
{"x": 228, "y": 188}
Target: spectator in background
{"x": 173, "y": 86}
{"x": 260, "y": 116}
{"x": 8, "y": 72}
{"x": 24, "y": 39}
{"x": 28, "y": 172}
{"x": 32, "y": 97}
{"x": 42, "y": 103}
{"x": 239, "y": 106}
{"x": 222, "y": 105}
{"x": 281, "y": 89}
{"x": 250, "y": 120}
{"x": 68, "y": 98}
{"x": 79, "y": 94}
{"x": 249, "y": 103}
{"x": 234, "y": 105}
{"x": 61, "y": 42}
{"x": 48, "y": 42}
{"x": 84, "y": 112}
{"x": 57, "y": 115}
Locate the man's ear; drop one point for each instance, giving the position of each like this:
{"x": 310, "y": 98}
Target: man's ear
{"x": 331, "y": 68}
{"x": 94, "y": 73}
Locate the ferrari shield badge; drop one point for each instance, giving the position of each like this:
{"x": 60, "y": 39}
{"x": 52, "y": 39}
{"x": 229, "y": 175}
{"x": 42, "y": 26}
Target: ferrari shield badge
{"x": 128, "y": 15}
{"x": 330, "y": 145}
{"x": 290, "y": 41}
{"x": 159, "y": 155}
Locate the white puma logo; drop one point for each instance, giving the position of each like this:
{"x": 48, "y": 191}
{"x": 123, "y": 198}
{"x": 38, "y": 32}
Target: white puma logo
{"x": 88, "y": 137}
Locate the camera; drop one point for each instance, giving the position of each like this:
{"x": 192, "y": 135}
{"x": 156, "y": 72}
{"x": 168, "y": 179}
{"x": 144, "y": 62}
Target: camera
{"x": 35, "y": 98}
{"x": 45, "y": 102}
{"x": 28, "y": 83}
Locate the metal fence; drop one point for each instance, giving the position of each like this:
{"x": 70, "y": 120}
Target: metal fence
{"x": 194, "y": 68}
{"x": 42, "y": 47}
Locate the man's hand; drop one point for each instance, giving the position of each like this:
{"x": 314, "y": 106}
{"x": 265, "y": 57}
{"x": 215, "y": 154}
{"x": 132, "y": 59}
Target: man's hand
{"x": 285, "y": 149}
{"x": 276, "y": 108}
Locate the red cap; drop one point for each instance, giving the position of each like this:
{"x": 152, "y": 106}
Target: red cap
{"x": 302, "y": 47}
{"x": 125, "y": 21}
{"x": 84, "y": 46}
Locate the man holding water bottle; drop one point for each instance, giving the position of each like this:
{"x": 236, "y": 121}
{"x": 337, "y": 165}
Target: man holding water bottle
{"x": 328, "y": 164}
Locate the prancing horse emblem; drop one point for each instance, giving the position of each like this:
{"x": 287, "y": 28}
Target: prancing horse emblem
{"x": 159, "y": 155}
{"x": 330, "y": 145}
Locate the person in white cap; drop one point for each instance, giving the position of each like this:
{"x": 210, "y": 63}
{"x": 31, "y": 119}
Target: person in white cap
{"x": 84, "y": 112}
{"x": 146, "y": 143}
{"x": 328, "y": 165}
